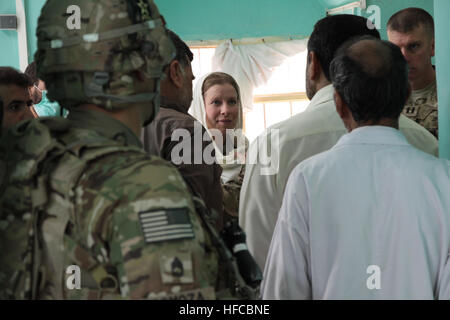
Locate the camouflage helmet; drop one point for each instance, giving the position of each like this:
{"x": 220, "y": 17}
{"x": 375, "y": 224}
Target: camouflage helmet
{"x": 105, "y": 52}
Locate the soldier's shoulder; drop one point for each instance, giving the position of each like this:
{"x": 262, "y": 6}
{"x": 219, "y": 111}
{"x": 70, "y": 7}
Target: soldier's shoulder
{"x": 116, "y": 188}
{"x": 128, "y": 174}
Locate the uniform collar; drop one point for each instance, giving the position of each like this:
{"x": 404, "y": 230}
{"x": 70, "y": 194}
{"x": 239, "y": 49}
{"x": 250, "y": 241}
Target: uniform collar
{"x": 104, "y": 125}
{"x": 322, "y": 96}
{"x": 423, "y": 90}
{"x": 373, "y": 135}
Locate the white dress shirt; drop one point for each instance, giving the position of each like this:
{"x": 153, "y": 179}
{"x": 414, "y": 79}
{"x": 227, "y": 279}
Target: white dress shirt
{"x": 315, "y": 130}
{"x": 372, "y": 201}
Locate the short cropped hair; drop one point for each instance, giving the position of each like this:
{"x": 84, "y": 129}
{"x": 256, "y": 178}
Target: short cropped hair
{"x": 408, "y": 19}
{"x": 182, "y": 50}
{"x": 9, "y": 76}
{"x": 371, "y": 78}
{"x": 31, "y": 72}
{"x": 331, "y": 32}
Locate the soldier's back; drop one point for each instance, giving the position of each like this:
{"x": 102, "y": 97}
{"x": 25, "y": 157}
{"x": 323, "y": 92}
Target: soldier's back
{"x": 125, "y": 219}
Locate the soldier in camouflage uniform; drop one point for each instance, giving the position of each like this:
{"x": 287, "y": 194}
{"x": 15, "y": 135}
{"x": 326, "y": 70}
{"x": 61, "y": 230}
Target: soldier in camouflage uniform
{"x": 81, "y": 191}
{"x": 422, "y": 107}
{"x": 412, "y": 29}
{"x": 231, "y": 195}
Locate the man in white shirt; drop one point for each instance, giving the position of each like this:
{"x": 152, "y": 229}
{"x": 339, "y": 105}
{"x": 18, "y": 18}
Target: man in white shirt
{"x": 315, "y": 130}
{"x": 370, "y": 218}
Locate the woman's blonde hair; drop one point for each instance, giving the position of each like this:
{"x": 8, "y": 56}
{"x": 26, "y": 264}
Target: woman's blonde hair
{"x": 220, "y": 78}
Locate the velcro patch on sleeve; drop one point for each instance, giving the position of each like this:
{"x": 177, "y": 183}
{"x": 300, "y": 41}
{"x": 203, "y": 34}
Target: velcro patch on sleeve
{"x": 166, "y": 224}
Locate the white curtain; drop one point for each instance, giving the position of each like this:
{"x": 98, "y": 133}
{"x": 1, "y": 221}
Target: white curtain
{"x": 252, "y": 64}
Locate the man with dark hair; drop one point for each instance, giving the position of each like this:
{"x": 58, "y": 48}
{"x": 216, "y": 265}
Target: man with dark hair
{"x": 38, "y": 91}
{"x": 176, "y": 96}
{"x": 16, "y": 98}
{"x": 412, "y": 29}
{"x": 370, "y": 218}
{"x": 1, "y": 117}
{"x": 313, "y": 131}
{"x": 30, "y": 71}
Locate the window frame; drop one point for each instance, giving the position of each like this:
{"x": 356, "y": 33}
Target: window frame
{"x": 257, "y": 98}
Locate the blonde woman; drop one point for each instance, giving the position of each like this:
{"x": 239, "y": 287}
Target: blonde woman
{"x": 217, "y": 105}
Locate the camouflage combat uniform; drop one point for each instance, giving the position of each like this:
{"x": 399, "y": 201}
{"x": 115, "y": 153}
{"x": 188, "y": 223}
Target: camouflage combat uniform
{"x": 117, "y": 230}
{"x": 231, "y": 192}
{"x": 422, "y": 107}
{"x": 82, "y": 192}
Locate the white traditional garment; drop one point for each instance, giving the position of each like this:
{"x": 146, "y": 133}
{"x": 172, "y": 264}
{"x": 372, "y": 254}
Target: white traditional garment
{"x": 368, "y": 219}
{"x": 232, "y": 163}
{"x": 315, "y": 130}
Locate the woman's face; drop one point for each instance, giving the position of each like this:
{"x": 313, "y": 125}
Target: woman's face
{"x": 222, "y": 107}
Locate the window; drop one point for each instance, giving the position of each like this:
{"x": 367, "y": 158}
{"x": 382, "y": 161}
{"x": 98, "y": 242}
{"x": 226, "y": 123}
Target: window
{"x": 202, "y": 62}
{"x": 282, "y": 97}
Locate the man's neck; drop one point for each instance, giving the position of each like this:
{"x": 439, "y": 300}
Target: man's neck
{"x": 322, "y": 84}
{"x": 172, "y": 104}
{"x": 428, "y": 78}
{"x": 386, "y": 122}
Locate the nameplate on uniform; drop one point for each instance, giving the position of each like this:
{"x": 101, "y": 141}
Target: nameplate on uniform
{"x": 166, "y": 224}
{"x": 198, "y": 294}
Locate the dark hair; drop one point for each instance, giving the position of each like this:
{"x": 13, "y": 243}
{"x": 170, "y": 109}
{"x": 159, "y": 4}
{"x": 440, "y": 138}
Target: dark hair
{"x": 10, "y": 76}
{"x": 1, "y": 116}
{"x": 220, "y": 78}
{"x": 331, "y": 32}
{"x": 182, "y": 50}
{"x": 31, "y": 72}
{"x": 408, "y": 19}
{"x": 371, "y": 78}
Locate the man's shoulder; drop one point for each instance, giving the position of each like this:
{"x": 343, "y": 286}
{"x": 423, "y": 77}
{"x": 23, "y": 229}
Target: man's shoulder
{"x": 122, "y": 179}
{"x": 423, "y": 97}
{"x": 44, "y": 139}
{"x": 175, "y": 119}
{"x": 318, "y": 120}
{"x": 131, "y": 165}
{"x": 317, "y": 160}
{"x": 406, "y": 123}
{"x": 417, "y": 135}
{"x": 303, "y": 135}
{"x": 110, "y": 163}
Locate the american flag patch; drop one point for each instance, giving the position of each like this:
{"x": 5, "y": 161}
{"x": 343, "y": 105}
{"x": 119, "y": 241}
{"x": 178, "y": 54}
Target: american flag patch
{"x": 167, "y": 224}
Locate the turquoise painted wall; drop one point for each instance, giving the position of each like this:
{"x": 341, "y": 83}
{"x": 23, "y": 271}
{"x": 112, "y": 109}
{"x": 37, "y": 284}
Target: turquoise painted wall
{"x": 329, "y": 4}
{"x": 213, "y": 20}
{"x": 32, "y": 11}
{"x": 9, "y": 53}
{"x": 442, "y": 23}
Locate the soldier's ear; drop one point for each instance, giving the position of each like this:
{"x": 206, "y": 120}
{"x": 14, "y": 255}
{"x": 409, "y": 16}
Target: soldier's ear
{"x": 343, "y": 111}
{"x": 176, "y": 74}
{"x": 340, "y": 108}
